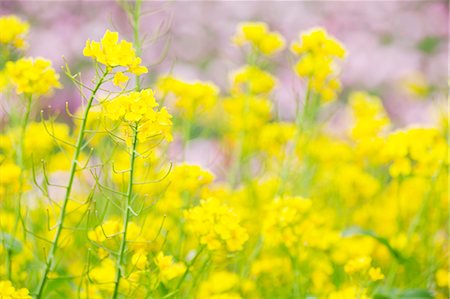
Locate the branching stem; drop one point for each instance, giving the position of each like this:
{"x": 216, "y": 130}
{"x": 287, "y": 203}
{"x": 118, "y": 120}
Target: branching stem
{"x": 60, "y": 224}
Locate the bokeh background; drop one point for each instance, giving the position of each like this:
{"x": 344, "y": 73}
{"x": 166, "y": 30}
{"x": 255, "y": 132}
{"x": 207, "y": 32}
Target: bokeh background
{"x": 390, "y": 44}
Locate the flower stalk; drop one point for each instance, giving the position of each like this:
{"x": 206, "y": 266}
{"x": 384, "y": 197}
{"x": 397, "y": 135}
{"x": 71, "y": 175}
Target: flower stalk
{"x": 126, "y": 215}
{"x": 73, "y": 168}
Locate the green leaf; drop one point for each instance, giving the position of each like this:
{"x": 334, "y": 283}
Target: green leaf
{"x": 404, "y": 294}
{"x": 429, "y": 44}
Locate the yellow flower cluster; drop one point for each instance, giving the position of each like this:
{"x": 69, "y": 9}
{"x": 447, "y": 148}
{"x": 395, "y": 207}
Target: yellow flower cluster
{"x": 362, "y": 266}
{"x": 190, "y": 97}
{"x": 408, "y": 156}
{"x": 318, "y": 52}
{"x": 247, "y": 113}
{"x": 102, "y": 277}
{"x": 33, "y": 76}
{"x": 138, "y": 107}
{"x": 216, "y": 225}
{"x": 369, "y": 115}
{"x": 9, "y": 180}
{"x": 274, "y": 137}
{"x": 168, "y": 269}
{"x": 350, "y": 292}
{"x": 111, "y": 230}
{"x": 257, "y": 34}
{"x": 186, "y": 184}
{"x": 442, "y": 278}
{"x": 220, "y": 285}
{"x": 379, "y": 197}
{"x": 8, "y": 291}
{"x": 13, "y": 31}
{"x": 112, "y": 53}
{"x": 253, "y": 80}
{"x": 290, "y": 221}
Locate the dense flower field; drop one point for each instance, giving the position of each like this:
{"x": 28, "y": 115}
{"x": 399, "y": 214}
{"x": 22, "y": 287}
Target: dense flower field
{"x": 94, "y": 207}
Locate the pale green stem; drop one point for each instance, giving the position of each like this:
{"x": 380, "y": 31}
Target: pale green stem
{"x": 21, "y": 162}
{"x": 183, "y": 278}
{"x": 126, "y": 215}
{"x": 73, "y": 169}
{"x": 186, "y": 135}
{"x": 299, "y": 122}
{"x": 136, "y": 38}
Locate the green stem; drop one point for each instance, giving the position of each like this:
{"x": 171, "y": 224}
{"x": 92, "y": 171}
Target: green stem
{"x": 299, "y": 122}
{"x": 189, "y": 267}
{"x": 23, "y": 128}
{"x": 20, "y": 160}
{"x": 137, "y": 41}
{"x": 186, "y": 136}
{"x": 73, "y": 168}
{"x": 126, "y": 216}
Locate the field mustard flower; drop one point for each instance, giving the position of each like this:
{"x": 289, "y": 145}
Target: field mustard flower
{"x": 112, "y": 53}
{"x": 13, "y": 31}
{"x": 8, "y": 291}
{"x": 168, "y": 269}
{"x": 191, "y": 98}
{"x": 318, "y": 53}
{"x": 33, "y": 76}
{"x": 253, "y": 80}
{"x": 257, "y": 34}
{"x": 216, "y": 225}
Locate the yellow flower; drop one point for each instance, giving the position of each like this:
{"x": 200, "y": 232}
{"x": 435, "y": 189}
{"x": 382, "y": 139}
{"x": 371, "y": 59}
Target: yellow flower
{"x": 400, "y": 167}
{"x": 216, "y": 225}
{"x": 318, "y": 53}
{"x": 112, "y": 53}
{"x": 319, "y": 42}
{"x": 349, "y": 292}
{"x": 191, "y": 98}
{"x": 247, "y": 113}
{"x": 13, "y": 31}
{"x": 253, "y": 80}
{"x": 9, "y": 178}
{"x": 33, "y": 76}
{"x": 258, "y": 35}
{"x": 120, "y": 79}
{"x": 275, "y": 136}
{"x": 369, "y": 115}
{"x": 138, "y": 107}
{"x": 7, "y": 291}
{"x": 375, "y": 274}
{"x": 442, "y": 278}
{"x": 168, "y": 270}
{"x": 158, "y": 126}
{"x": 139, "y": 259}
{"x": 220, "y": 284}
{"x": 358, "y": 265}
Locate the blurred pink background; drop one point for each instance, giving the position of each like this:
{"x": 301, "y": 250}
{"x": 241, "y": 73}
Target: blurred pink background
{"x": 386, "y": 41}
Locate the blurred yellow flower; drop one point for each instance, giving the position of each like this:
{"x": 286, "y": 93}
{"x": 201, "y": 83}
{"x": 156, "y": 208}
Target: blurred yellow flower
{"x": 13, "y": 31}
{"x": 258, "y": 35}
{"x": 168, "y": 269}
{"x": 33, "y": 76}
{"x": 8, "y": 291}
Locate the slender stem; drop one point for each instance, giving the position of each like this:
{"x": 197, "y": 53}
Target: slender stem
{"x": 126, "y": 215}
{"x": 20, "y": 160}
{"x": 23, "y": 127}
{"x": 186, "y": 136}
{"x": 299, "y": 122}
{"x": 136, "y": 38}
{"x": 189, "y": 267}
{"x": 73, "y": 168}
